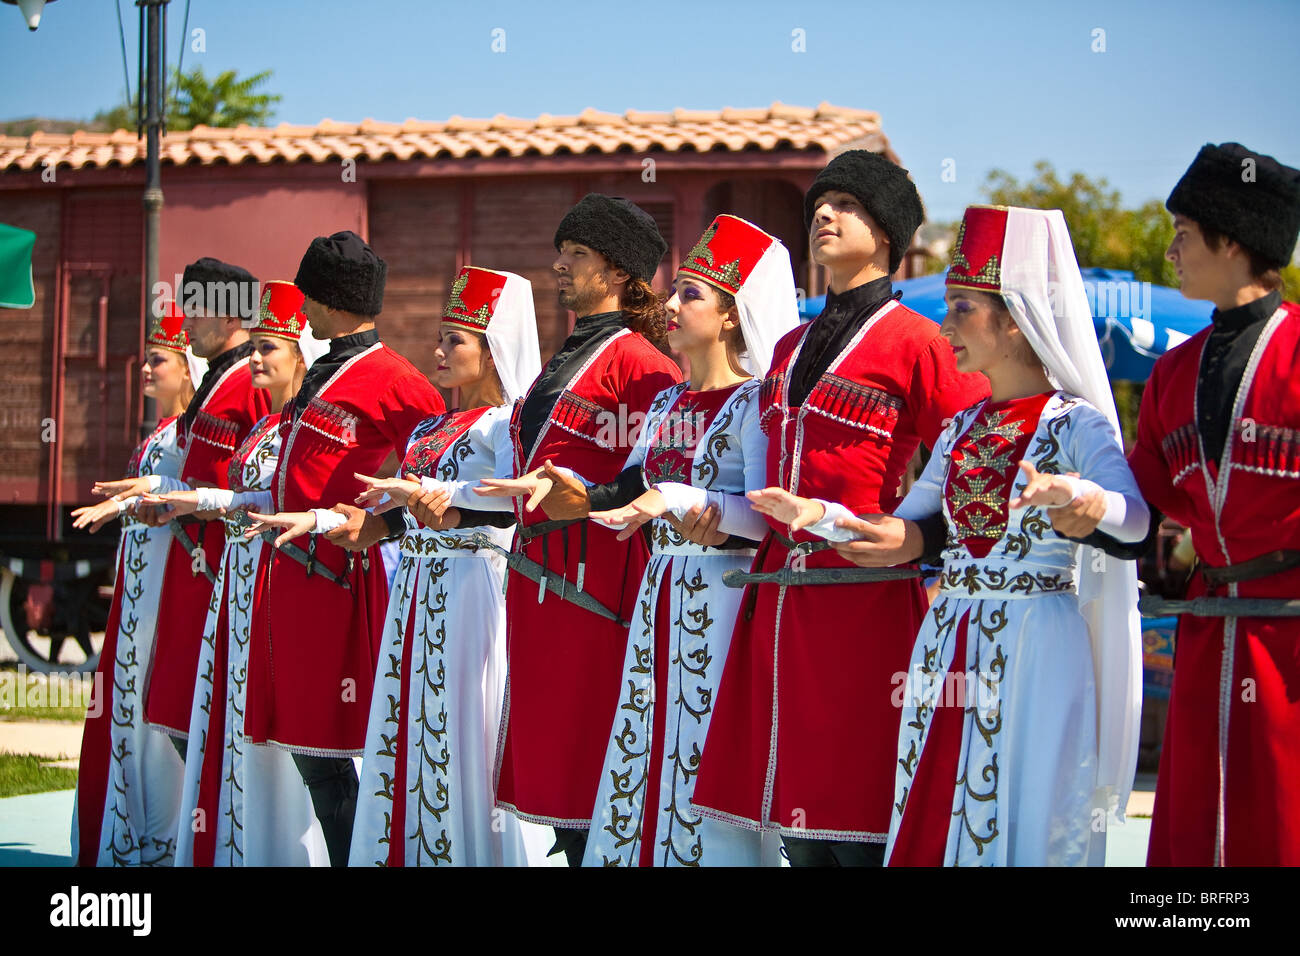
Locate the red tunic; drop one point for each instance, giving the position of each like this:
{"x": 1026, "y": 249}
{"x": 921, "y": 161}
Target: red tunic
{"x": 565, "y": 663}
{"x": 804, "y": 736}
{"x": 313, "y": 643}
{"x": 1228, "y": 791}
{"x": 224, "y": 420}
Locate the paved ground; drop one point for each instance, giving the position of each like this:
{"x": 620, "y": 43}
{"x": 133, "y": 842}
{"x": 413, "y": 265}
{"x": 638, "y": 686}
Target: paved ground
{"x": 55, "y": 739}
{"x": 34, "y": 829}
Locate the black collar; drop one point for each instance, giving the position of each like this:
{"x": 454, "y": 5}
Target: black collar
{"x": 598, "y": 321}
{"x": 1243, "y": 316}
{"x": 346, "y": 343}
{"x": 870, "y": 295}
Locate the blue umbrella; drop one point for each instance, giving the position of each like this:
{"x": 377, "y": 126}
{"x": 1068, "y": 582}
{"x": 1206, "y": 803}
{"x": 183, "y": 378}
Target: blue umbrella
{"x": 1136, "y": 322}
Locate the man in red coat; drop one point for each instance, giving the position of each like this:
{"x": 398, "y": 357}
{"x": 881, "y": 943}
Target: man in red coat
{"x": 804, "y": 732}
{"x": 217, "y": 299}
{"x": 318, "y": 609}
{"x": 583, "y": 413}
{"x": 1218, "y": 450}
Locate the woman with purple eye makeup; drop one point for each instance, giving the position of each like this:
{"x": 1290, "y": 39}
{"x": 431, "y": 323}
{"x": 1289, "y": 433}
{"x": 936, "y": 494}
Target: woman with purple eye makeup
{"x": 700, "y": 450}
{"x": 1020, "y": 707}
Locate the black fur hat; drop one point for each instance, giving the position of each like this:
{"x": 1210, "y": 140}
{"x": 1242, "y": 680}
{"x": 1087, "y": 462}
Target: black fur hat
{"x": 883, "y": 189}
{"x": 207, "y": 284}
{"x": 341, "y": 271}
{"x": 1247, "y": 196}
{"x": 620, "y": 230}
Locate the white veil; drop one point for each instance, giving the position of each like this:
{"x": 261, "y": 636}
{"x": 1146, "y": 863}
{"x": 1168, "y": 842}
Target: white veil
{"x": 768, "y": 307}
{"x": 311, "y": 347}
{"x": 1044, "y": 292}
{"x": 512, "y": 337}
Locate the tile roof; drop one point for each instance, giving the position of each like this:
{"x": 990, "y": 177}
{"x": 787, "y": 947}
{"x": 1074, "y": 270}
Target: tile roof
{"x": 825, "y": 128}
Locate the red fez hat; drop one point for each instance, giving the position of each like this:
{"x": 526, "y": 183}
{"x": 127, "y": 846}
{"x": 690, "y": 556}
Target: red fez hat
{"x": 727, "y": 253}
{"x": 473, "y": 300}
{"x": 280, "y": 314}
{"x": 167, "y": 333}
{"x": 977, "y": 254}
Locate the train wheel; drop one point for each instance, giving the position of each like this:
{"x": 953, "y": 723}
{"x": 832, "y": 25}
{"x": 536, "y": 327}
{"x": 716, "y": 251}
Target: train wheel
{"x": 80, "y": 615}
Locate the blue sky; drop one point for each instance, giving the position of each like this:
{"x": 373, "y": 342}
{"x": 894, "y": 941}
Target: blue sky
{"x": 991, "y": 84}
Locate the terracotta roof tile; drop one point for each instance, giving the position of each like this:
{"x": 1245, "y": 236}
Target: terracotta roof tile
{"x": 825, "y": 127}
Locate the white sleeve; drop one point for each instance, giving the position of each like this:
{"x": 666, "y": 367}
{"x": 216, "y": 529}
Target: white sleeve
{"x": 925, "y": 497}
{"x": 214, "y": 499}
{"x": 1102, "y": 466}
{"x": 165, "y": 485}
{"x": 503, "y": 466}
{"x": 736, "y": 515}
{"x": 825, "y": 528}
{"x": 327, "y": 520}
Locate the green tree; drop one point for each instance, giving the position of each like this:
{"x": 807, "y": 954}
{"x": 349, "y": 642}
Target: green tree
{"x": 225, "y": 101}
{"x": 193, "y": 100}
{"x": 1105, "y": 234}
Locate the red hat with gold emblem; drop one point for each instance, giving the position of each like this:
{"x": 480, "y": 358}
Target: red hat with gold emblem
{"x": 739, "y": 258}
{"x": 280, "y": 314}
{"x": 474, "y": 298}
{"x": 727, "y": 253}
{"x": 977, "y": 253}
{"x": 167, "y": 333}
{"x": 498, "y": 306}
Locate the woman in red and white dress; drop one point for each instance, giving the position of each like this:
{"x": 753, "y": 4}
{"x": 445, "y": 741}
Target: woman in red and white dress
{"x": 701, "y": 446}
{"x": 129, "y": 780}
{"x": 240, "y": 800}
{"x": 427, "y": 794}
{"x": 699, "y": 451}
{"x": 1020, "y": 709}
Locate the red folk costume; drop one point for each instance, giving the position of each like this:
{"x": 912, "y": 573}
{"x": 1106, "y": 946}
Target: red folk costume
{"x": 314, "y": 642}
{"x": 584, "y": 413}
{"x": 1228, "y": 790}
{"x": 222, "y": 413}
{"x": 128, "y": 784}
{"x": 804, "y": 732}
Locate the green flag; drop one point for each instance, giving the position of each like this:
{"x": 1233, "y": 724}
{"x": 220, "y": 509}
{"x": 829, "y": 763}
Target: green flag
{"x": 16, "y": 289}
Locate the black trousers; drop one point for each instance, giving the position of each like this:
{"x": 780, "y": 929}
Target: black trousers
{"x": 332, "y": 783}
{"x": 803, "y": 852}
{"x": 572, "y": 842}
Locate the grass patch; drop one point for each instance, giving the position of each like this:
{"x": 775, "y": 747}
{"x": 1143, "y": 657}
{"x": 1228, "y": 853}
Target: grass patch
{"x": 23, "y": 773}
{"x": 69, "y": 714}
{"x": 28, "y": 696}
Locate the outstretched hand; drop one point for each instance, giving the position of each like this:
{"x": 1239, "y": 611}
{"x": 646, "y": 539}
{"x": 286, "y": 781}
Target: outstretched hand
{"x": 633, "y": 515}
{"x": 700, "y": 525}
{"x": 398, "y": 490}
{"x": 180, "y": 502}
{"x": 296, "y": 523}
{"x": 122, "y": 488}
{"x": 96, "y": 515}
{"x": 1042, "y": 490}
{"x": 791, "y": 509}
{"x": 561, "y": 496}
{"x": 882, "y": 541}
